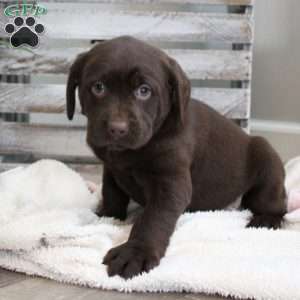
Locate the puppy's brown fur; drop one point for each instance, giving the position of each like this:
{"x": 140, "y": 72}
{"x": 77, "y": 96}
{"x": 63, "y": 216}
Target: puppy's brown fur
{"x": 169, "y": 153}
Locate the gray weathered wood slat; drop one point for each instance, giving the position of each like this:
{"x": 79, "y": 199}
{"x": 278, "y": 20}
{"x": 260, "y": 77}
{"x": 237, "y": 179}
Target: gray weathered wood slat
{"x": 206, "y": 2}
{"x": 45, "y": 141}
{"x": 97, "y": 23}
{"x": 232, "y": 103}
{"x": 91, "y": 172}
{"x": 199, "y": 64}
{"x": 47, "y": 98}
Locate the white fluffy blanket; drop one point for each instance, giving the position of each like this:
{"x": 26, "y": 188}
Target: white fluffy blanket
{"x": 48, "y": 228}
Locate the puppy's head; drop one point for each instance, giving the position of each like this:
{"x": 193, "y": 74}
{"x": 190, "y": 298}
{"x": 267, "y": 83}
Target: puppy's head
{"x": 127, "y": 89}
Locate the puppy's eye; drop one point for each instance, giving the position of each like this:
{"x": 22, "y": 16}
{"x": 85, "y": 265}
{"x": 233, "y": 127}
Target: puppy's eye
{"x": 98, "y": 88}
{"x": 143, "y": 92}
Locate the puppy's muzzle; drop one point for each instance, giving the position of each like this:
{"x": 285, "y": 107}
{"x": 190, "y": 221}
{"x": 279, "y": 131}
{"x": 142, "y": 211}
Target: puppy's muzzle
{"x": 117, "y": 129}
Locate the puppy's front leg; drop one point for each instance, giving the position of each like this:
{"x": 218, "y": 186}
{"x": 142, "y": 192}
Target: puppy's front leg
{"x": 150, "y": 234}
{"x": 115, "y": 201}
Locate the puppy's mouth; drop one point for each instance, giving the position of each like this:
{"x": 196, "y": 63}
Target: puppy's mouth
{"x": 133, "y": 141}
{"x": 110, "y": 145}
{"x": 116, "y": 147}
{"x": 119, "y": 146}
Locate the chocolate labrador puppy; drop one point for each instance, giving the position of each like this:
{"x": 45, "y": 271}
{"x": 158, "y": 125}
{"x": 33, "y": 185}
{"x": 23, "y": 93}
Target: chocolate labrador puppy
{"x": 164, "y": 150}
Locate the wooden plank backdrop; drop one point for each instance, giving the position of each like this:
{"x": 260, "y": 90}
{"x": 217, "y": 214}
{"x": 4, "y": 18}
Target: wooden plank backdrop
{"x": 43, "y": 140}
{"x": 67, "y": 21}
{"x": 169, "y": 26}
{"x": 198, "y": 64}
{"x": 183, "y": 2}
{"x": 57, "y": 142}
{"x": 189, "y": 22}
{"x": 50, "y": 98}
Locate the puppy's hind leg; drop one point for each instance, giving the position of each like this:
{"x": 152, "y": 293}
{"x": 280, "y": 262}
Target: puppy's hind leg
{"x": 267, "y": 205}
{"x": 266, "y": 198}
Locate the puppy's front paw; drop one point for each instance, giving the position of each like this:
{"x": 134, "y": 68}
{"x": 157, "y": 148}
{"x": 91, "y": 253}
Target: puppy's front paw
{"x": 130, "y": 259}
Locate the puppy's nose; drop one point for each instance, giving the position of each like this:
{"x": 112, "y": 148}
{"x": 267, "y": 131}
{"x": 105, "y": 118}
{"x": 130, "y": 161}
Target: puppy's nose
{"x": 118, "y": 129}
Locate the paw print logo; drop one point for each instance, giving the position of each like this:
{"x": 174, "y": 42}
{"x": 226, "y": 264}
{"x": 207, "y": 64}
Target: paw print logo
{"x": 24, "y": 32}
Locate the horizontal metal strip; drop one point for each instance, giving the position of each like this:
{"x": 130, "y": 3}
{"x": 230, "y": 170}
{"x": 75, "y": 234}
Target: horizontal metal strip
{"x": 91, "y": 172}
{"x": 198, "y": 64}
{"x": 48, "y": 98}
{"x": 90, "y": 21}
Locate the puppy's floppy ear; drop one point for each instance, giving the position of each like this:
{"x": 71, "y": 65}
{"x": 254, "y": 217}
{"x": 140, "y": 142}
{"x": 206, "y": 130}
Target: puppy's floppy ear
{"x": 73, "y": 82}
{"x": 180, "y": 89}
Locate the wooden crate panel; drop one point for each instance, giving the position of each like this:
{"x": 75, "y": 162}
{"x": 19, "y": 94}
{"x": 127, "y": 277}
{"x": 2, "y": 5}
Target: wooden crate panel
{"x": 205, "y": 2}
{"x": 45, "y": 141}
{"x": 90, "y": 21}
{"x": 212, "y": 64}
{"x": 232, "y": 103}
{"x": 88, "y": 172}
{"x": 199, "y": 64}
{"x": 2, "y": 25}
{"x": 43, "y": 98}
